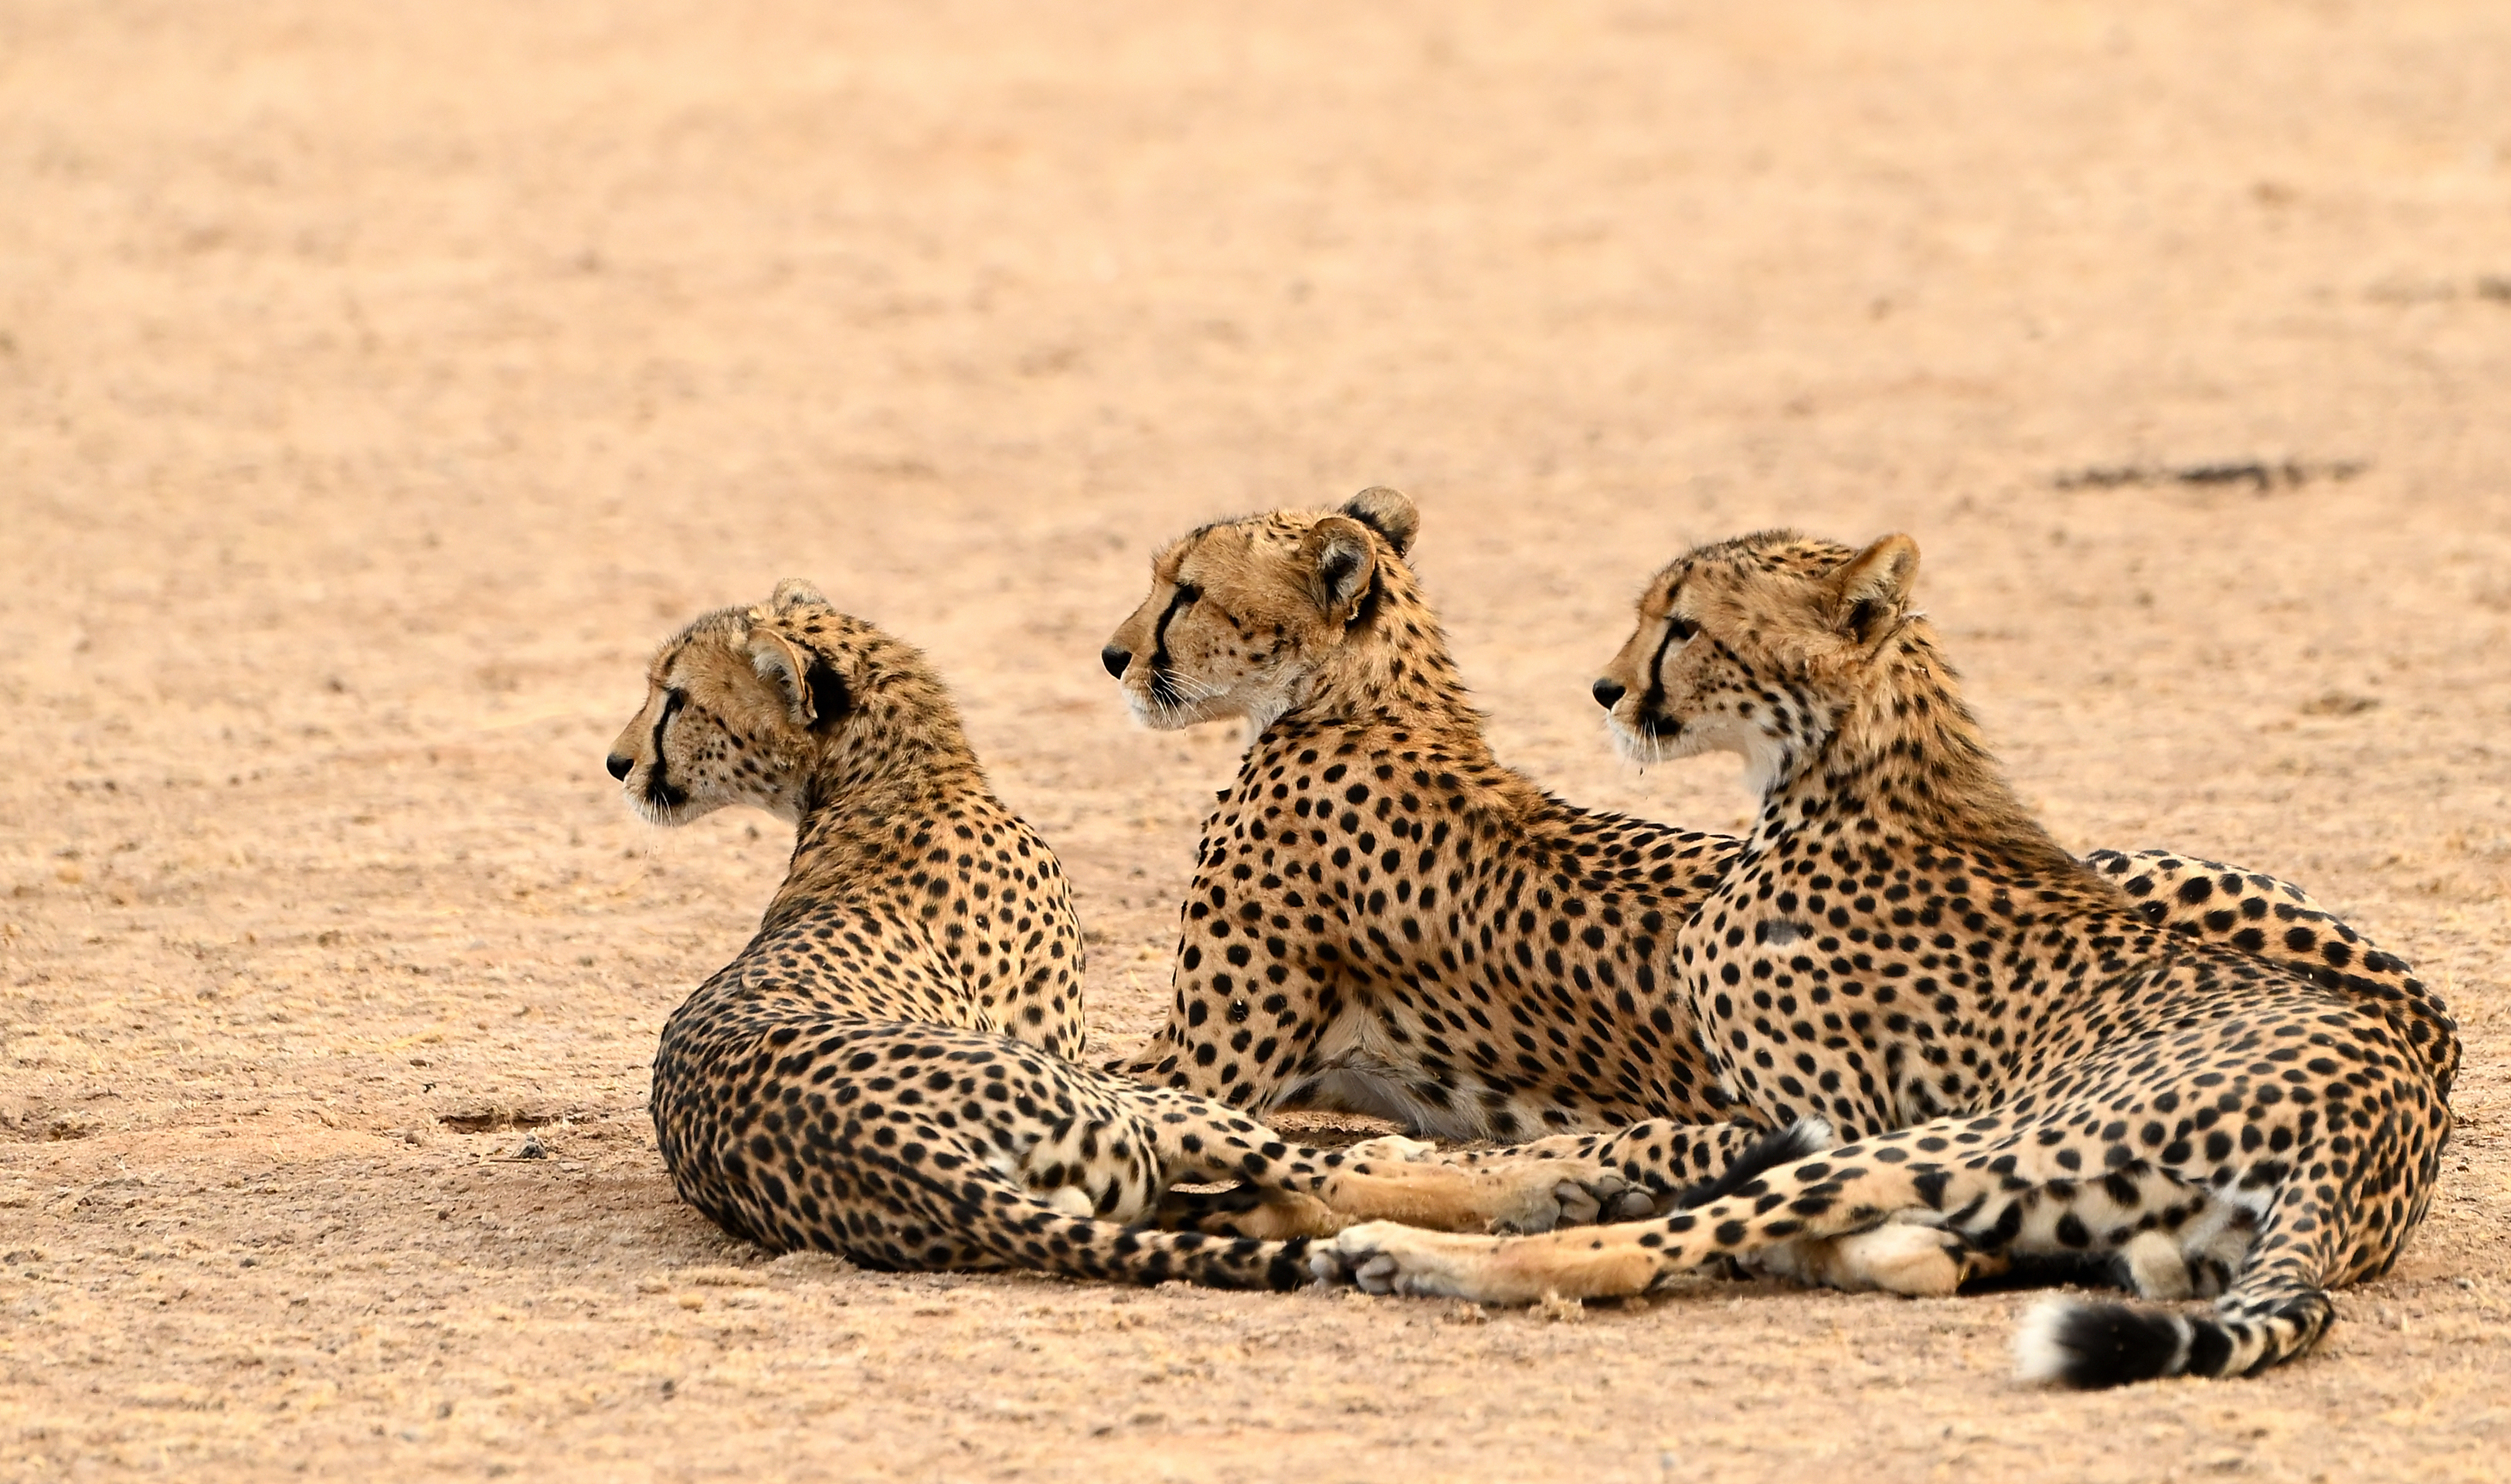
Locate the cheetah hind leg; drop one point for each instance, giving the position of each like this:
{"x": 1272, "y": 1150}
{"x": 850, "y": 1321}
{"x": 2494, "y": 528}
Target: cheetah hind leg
{"x": 1902, "y": 1254}
{"x": 1917, "y": 1258}
{"x": 1914, "y": 1259}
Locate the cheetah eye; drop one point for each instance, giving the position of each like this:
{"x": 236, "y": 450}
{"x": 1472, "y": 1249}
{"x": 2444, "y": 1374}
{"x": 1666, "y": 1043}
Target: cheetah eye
{"x": 1681, "y": 627}
{"x": 1188, "y": 592}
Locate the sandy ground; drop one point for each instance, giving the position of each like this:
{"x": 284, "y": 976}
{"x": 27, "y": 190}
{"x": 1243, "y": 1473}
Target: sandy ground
{"x": 378, "y": 383}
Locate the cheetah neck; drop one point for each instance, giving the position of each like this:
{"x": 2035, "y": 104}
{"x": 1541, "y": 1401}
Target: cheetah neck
{"x": 1903, "y": 765}
{"x": 887, "y": 786}
{"x": 1392, "y": 666}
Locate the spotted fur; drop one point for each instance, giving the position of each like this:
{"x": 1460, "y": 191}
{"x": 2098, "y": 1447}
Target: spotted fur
{"x": 1385, "y": 917}
{"x": 2021, "y": 1062}
{"x": 885, "y": 1069}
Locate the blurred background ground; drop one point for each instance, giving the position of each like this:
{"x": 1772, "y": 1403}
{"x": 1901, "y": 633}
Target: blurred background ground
{"x": 378, "y": 383}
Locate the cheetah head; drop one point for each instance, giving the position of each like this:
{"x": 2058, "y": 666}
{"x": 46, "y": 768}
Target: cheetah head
{"x": 1755, "y": 646}
{"x": 1243, "y": 614}
{"x": 753, "y": 705}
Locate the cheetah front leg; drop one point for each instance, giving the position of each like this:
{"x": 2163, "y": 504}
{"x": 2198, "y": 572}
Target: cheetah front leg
{"x": 1264, "y": 1213}
{"x": 1627, "y": 1174}
{"x": 1660, "y": 1162}
{"x": 1272, "y": 1213}
{"x": 1310, "y": 1192}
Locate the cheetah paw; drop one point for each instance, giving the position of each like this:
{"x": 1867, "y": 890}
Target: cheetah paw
{"x": 1388, "y": 1258}
{"x": 1579, "y": 1201}
{"x": 1393, "y": 1147}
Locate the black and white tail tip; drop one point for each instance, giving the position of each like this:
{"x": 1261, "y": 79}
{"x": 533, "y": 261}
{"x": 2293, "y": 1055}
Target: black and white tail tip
{"x": 2091, "y": 1345}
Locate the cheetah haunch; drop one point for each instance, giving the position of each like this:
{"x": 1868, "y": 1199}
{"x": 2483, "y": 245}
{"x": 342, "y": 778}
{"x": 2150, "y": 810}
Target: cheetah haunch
{"x": 884, "y": 1071}
{"x": 2020, "y": 1063}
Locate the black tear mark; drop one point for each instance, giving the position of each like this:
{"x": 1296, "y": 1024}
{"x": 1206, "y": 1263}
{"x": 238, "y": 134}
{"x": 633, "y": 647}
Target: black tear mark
{"x": 658, "y": 787}
{"x": 1654, "y": 696}
{"x": 1164, "y": 687}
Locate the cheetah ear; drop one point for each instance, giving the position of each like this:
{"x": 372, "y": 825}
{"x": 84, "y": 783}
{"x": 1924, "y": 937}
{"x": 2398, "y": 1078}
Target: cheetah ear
{"x": 792, "y": 592}
{"x": 814, "y": 694}
{"x": 1387, "y": 512}
{"x": 1341, "y": 565}
{"x": 1871, "y": 589}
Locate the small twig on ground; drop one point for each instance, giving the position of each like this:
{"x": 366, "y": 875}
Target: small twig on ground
{"x": 2259, "y": 474}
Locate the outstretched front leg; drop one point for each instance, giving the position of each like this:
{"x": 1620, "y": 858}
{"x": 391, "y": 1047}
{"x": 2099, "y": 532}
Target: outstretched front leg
{"x": 1660, "y": 1160}
{"x": 1264, "y": 1213}
{"x": 1903, "y": 1256}
{"x": 1824, "y": 1219}
{"x": 1624, "y": 1174}
{"x": 1293, "y": 1191}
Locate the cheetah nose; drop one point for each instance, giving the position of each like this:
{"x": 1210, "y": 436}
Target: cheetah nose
{"x": 619, "y": 765}
{"x": 1607, "y": 692}
{"x": 1115, "y": 660}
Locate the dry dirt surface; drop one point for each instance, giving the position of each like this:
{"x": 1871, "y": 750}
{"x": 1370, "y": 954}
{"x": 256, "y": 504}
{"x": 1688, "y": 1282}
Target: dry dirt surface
{"x": 378, "y": 383}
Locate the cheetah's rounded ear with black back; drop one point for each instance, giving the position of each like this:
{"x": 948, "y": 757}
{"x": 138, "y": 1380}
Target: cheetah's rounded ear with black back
{"x": 1341, "y": 566}
{"x": 1389, "y": 514}
{"x": 1871, "y": 589}
{"x": 792, "y": 592}
{"x": 815, "y": 695}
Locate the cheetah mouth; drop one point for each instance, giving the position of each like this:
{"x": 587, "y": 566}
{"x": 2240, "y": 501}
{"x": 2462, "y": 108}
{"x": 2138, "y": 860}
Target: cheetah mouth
{"x": 1166, "y": 702}
{"x": 657, "y": 800}
{"x": 1645, "y": 738}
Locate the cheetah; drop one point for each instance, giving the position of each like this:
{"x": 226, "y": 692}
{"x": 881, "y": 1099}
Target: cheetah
{"x": 1386, "y": 919}
{"x": 2017, "y": 1061}
{"x": 886, "y": 1071}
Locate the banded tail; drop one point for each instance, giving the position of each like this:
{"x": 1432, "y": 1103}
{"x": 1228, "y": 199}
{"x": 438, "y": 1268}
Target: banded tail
{"x": 2089, "y": 1344}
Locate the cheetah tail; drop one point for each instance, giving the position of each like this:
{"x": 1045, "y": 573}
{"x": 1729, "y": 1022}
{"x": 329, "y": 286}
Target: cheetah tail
{"x": 1799, "y": 1140}
{"x": 1018, "y": 1228}
{"x": 1021, "y": 1231}
{"x": 2089, "y": 1344}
